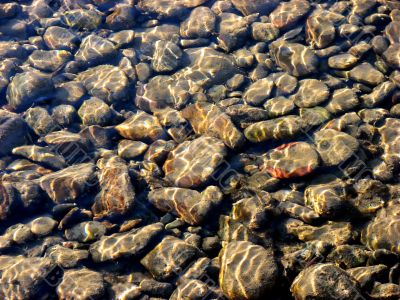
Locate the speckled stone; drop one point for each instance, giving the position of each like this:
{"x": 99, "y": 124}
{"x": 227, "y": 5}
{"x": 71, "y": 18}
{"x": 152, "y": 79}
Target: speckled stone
{"x": 168, "y": 8}
{"x": 22, "y": 277}
{"x": 39, "y": 119}
{"x": 327, "y": 199}
{"x": 390, "y": 135}
{"x": 65, "y": 257}
{"x": 264, "y": 32}
{"x": 256, "y": 6}
{"x": 95, "y": 111}
{"x": 391, "y": 55}
{"x": 166, "y": 57}
{"x": 128, "y": 149}
{"x": 320, "y": 30}
{"x": 366, "y": 73}
{"x": 342, "y": 100}
{"x": 279, "y": 106}
{"x": 41, "y": 155}
{"x": 59, "y": 38}
{"x": 82, "y": 19}
{"x": 192, "y": 289}
{"x": 95, "y": 50}
{"x": 122, "y": 17}
{"x": 258, "y": 92}
{"x": 379, "y": 94}
{"x": 342, "y": 61}
{"x": 333, "y": 233}
{"x": 288, "y": 13}
{"x": 200, "y": 24}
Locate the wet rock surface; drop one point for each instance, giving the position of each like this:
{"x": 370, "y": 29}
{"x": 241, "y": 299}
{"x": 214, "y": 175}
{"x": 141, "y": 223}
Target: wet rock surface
{"x": 191, "y": 164}
{"x": 252, "y": 280}
{"x": 275, "y": 129}
{"x": 335, "y": 147}
{"x": 190, "y": 205}
{"x": 117, "y": 194}
{"x": 141, "y": 126}
{"x": 28, "y": 88}
{"x": 291, "y": 160}
{"x": 81, "y": 284}
{"x": 210, "y": 119}
{"x": 169, "y": 258}
{"x": 126, "y": 244}
{"x": 106, "y": 82}
{"x": 192, "y": 149}
{"x": 22, "y": 277}
{"x": 294, "y": 58}
{"x": 288, "y": 13}
{"x": 387, "y": 219}
{"x": 324, "y": 280}
{"x": 311, "y": 93}
{"x": 68, "y": 184}
{"x": 12, "y": 131}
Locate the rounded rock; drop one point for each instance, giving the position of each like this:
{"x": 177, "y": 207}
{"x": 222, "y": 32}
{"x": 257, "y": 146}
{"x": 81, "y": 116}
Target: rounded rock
{"x": 367, "y": 74}
{"x": 335, "y": 147}
{"x": 28, "y": 88}
{"x": 130, "y": 149}
{"x": 59, "y": 38}
{"x": 258, "y": 92}
{"x": 95, "y": 111}
{"x": 279, "y": 106}
{"x": 200, "y": 24}
{"x": 325, "y": 281}
{"x": 43, "y": 226}
{"x": 342, "y": 61}
{"x": 192, "y": 163}
{"x": 383, "y": 231}
{"x": 312, "y": 92}
{"x": 291, "y": 160}
{"x": 256, "y": 6}
{"x": 167, "y": 56}
{"x": 49, "y": 61}
{"x": 254, "y": 279}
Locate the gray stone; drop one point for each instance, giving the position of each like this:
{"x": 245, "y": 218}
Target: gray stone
{"x": 13, "y": 131}
{"x": 28, "y": 88}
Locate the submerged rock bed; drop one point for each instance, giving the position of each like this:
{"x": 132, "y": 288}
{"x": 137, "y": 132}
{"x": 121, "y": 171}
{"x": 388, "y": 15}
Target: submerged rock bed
{"x": 194, "y": 149}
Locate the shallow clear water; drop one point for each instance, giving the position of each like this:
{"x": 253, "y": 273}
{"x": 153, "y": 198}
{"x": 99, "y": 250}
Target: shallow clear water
{"x": 193, "y": 149}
